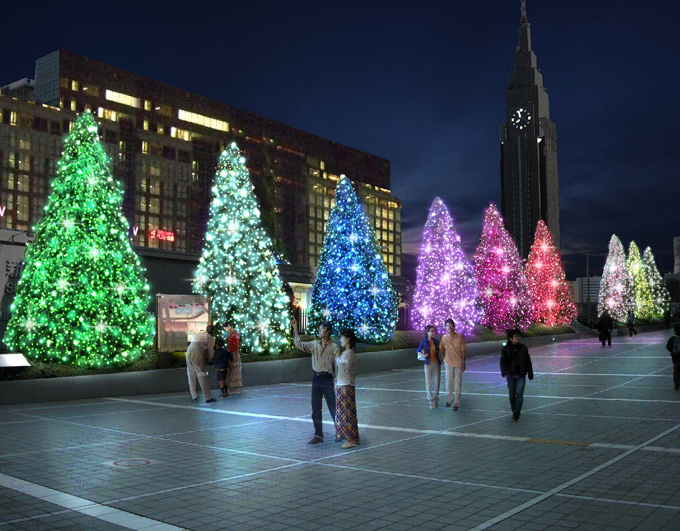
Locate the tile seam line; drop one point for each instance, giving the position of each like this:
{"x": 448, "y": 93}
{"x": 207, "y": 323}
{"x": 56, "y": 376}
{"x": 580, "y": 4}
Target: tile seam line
{"x": 573, "y": 481}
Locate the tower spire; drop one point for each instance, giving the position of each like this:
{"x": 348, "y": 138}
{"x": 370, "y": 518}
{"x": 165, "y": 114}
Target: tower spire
{"x": 524, "y": 11}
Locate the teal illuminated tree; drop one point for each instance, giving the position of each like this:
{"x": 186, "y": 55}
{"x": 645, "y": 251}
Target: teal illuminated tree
{"x": 644, "y": 303}
{"x": 661, "y": 297}
{"x": 237, "y": 268}
{"x": 616, "y": 286}
{"x": 352, "y": 288}
{"x": 82, "y": 297}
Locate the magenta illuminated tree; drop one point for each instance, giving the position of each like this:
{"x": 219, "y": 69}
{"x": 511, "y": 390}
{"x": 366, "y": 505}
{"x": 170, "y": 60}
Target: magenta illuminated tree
{"x": 445, "y": 282}
{"x": 550, "y": 295}
{"x": 501, "y": 282}
{"x": 616, "y": 287}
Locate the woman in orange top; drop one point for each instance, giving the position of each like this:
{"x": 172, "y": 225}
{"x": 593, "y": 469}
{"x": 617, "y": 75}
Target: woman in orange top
{"x": 430, "y": 347}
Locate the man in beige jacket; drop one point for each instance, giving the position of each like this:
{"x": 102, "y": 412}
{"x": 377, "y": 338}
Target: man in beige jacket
{"x": 452, "y": 347}
{"x": 200, "y": 352}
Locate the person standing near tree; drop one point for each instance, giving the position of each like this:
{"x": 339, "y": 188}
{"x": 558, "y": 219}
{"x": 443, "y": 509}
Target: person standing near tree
{"x": 515, "y": 366}
{"x": 631, "y": 323}
{"x": 323, "y": 352}
{"x": 235, "y": 371}
{"x": 453, "y": 351}
{"x": 346, "y": 423}
{"x": 199, "y": 353}
{"x": 605, "y": 328}
{"x": 221, "y": 360}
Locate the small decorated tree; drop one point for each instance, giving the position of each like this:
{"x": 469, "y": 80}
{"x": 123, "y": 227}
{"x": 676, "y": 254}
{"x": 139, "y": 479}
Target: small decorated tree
{"x": 501, "y": 283}
{"x": 661, "y": 297}
{"x": 445, "y": 282}
{"x": 550, "y": 295}
{"x": 616, "y": 286}
{"x": 237, "y": 268}
{"x": 644, "y": 303}
{"x": 82, "y": 298}
{"x": 352, "y": 288}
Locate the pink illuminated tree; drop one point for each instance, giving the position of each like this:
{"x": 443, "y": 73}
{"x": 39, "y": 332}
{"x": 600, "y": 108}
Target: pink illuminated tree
{"x": 552, "y": 302}
{"x": 501, "y": 282}
{"x": 616, "y": 287}
{"x": 445, "y": 282}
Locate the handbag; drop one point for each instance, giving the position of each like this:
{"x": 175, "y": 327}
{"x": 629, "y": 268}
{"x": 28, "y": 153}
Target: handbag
{"x": 422, "y": 356}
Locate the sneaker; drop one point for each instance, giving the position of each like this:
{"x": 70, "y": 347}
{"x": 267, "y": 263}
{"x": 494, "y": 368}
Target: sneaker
{"x": 194, "y": 398}
{"x": 348, "y": 444}
{"x": 455, "y": 408}
{"x": 210, "y": 401}
{"x": 431, "y": 406}
{"x": 315, "y": 440}
{"x": 448, "y": 404}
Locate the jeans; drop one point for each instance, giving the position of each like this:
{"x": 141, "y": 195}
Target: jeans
{"x": 516, "y": 391}
{"x": 322, "y": 387}
{"x": 432, "y": 378}
{"x": 454, "y": 384}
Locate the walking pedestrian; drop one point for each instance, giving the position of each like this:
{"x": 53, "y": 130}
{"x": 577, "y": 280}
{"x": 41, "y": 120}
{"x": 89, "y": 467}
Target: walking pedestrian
{"x": 605, "y": 328}
{"x": 630, "y": 321}
{"x": 346, "y": 424}
{"x": 515, "y": 366}
{"x": 429, "y": 353}
{"x": 199, "y": 353}
{"x": 323, "y": 352}
{"x": 673, "y": 346}
{"x": 453, "y": 352}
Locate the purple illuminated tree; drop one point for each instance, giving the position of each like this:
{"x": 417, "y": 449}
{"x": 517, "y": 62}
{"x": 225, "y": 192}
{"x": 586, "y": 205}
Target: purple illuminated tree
{"x": 616, "y": 287}
{"x": 445, "y": 282}
{"x": 501, "y": 282}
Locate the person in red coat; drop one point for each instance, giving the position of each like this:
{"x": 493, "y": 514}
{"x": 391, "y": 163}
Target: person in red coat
{"x": 234, "y": 377}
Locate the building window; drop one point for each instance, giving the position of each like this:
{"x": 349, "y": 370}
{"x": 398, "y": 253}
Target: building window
{"x": 147, "y": 105}
{"x": 12, "y": 118}
{"x": 123, "y": 99}
{"x": 145, "y": 147}
{"x": 205, "y": 121}
{"x": 74, "y": 105}
{"x": 75, "y": 86}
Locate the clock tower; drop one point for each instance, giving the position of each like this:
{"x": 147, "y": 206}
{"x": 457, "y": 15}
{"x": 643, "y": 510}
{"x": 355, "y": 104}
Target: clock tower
{"x": 528, "y": 143}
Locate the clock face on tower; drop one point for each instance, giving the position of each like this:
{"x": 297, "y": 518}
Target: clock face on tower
{"x": 520, "y": 118}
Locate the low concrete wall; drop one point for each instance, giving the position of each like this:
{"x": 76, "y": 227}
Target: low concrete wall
{"x": 258, "y": 373}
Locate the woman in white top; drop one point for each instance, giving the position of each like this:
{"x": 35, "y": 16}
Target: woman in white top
{"x": 346, "y": 425}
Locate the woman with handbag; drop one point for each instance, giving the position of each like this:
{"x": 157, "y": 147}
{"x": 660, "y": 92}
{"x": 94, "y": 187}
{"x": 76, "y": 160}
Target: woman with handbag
{"x": 428, "y": 351}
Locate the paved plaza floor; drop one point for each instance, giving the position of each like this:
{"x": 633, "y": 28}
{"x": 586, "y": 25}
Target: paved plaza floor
{"x": 597, "y": 447}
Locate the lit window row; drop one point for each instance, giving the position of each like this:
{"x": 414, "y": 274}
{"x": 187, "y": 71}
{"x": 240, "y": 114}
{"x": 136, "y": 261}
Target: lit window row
{"x": 123, "y": 99}
{"x": 182, "y": 134}
{"x": 205, "y": 121}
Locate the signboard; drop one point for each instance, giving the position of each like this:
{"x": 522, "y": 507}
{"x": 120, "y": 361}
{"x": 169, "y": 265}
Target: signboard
{"x": 179, "y": 318}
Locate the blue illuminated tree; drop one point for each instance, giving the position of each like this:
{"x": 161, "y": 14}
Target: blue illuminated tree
{"x": 352, "y": 288}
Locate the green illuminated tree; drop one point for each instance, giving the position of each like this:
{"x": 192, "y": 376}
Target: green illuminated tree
{"x": 644, "y": 303}
{"x": 237, "y": 268}
{"x": 82, "y": 297}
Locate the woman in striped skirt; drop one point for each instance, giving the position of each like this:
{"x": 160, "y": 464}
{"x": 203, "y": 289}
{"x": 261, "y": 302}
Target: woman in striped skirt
{"x": 346, "y": 424}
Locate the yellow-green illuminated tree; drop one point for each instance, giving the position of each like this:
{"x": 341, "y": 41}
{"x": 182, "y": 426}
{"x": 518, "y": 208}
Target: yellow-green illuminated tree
{"x": 82, "y": 297}
{"x": 644, "y": 303}
{"x": 660, "y": 294}
{"x": 237, "y": 268}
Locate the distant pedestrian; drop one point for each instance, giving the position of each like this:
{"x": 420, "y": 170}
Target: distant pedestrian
{"x": 667, "y": 318}
{"x": 221, "y": 360}
{"x": 428, "y": 351}
{"x": 673, "y": 346}
{"x": 453, "y": 352}
{"x": 323, "y": 352}
{"x": 605, "y": 328}
{"x": 346, "y": 423}
{"x": 199, "y": 353}
{"x": 631, "y": 323}
{"x": 235, "y": 371}
{"x": 515, "y": 366}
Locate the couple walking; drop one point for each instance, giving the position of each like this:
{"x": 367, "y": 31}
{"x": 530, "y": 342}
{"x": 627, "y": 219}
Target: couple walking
{"x": 450, "y": 351}
{"x": 333, "y": 380}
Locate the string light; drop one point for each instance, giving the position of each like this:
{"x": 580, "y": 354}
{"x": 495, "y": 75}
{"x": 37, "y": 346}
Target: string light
{"x": 352, "y": 288}
{"x": 500, "y": 279}
{"x": 644, "y": 303}
{"x": 616, "y": 286}
{"x": 237, "y": 269}
{"x": 660, "y": 294}
{"x": 81, "y": 248}
{"x": 445, "y": 282}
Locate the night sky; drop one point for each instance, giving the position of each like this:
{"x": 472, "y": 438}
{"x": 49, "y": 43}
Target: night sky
{"x": 422, "y": 85}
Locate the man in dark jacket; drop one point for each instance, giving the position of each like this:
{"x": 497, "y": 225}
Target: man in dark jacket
{"x": 673, "y": 346}
{"x": 515, "y": 366}
{"x": 605, "y": 328}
